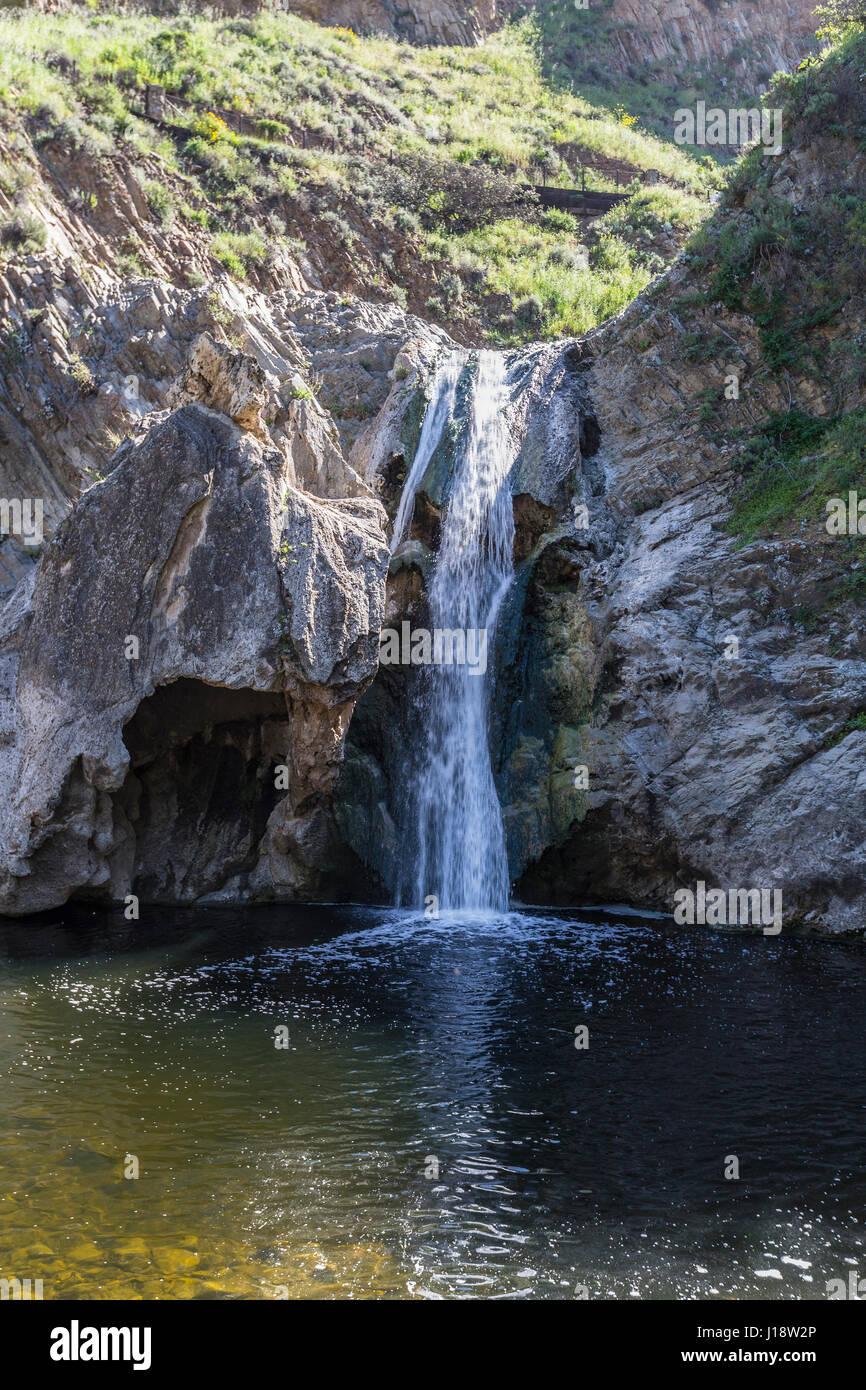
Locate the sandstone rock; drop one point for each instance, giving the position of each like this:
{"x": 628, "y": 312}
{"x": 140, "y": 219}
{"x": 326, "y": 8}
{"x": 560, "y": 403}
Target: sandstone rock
{"x": 195, "y": 621}
{"x": 314, "y": 446}
{"x": 224, "y": 380}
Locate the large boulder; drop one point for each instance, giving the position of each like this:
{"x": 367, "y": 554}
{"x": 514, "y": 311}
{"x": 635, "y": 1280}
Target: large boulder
{"x": 181, "y": 670}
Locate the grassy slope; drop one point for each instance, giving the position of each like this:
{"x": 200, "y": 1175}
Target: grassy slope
{"x": 796, "y": 271}
{"x": 578, "y": 48}
{"x": 779, "y": 268}
{"x": 425, "y": 150}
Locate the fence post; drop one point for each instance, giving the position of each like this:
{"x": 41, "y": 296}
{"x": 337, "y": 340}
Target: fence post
{"x": 154, "y": 102}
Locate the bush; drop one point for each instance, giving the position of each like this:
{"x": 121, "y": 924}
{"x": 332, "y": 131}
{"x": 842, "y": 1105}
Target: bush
{"x": 451, "y": 288}
{"x": 82, "y": 376}
{"x": 459, "y": 195}
{"x": 212, "y": 129}
{"x": 159, "y": 200}
{"x": 529, "y": 312}
{"x": 22, "y": 233}
{"x": 239, "y": 252}
{"x": 793, "y": 464}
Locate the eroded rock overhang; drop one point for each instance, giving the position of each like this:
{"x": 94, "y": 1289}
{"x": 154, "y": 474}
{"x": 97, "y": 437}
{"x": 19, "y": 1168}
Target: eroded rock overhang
{"x": 192, "y": 643}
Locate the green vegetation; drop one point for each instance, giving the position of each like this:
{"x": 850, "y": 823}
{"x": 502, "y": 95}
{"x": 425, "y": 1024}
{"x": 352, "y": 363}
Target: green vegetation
{"x": 581, "y": 52}
{"x": 393, "y": 166}
{"x": 239, "y": 252}
{"x": 553, "y": 288}
{"x": 756, "y": 255}
{"x": 793, "y": 465}
{"x": 301, "y": 392}
{"x": 22, "y": 234}
{"x": 576, "y": 285}
{"x": 159, "y": 200}
{"x": 791, "y": 270}
{"x": 855, "y": 724}
{"x": 82, "y": 376}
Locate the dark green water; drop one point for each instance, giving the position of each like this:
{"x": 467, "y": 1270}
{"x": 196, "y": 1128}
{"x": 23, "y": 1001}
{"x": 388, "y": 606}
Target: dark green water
{"x": 303, "y": 1171}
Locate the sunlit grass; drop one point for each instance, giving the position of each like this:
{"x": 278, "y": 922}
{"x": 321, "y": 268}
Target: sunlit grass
{"x": 490, "y": 102}
{"x": 369, "y": 104}
{"x": 576, "y": 288}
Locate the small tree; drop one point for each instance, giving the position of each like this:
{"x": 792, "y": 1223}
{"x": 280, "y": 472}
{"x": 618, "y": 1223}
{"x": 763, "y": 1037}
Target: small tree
{"x": 838, "y": 17}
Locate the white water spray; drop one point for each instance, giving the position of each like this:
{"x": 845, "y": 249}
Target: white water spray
{"x": 438, "y": 416}
{"x": 455, "y": 841}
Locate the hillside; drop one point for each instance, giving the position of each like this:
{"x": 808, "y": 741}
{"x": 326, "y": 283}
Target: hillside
{"x": 289, "y": 247}
{"x": 379, "y": 170}
{"x": 653, "y": 56}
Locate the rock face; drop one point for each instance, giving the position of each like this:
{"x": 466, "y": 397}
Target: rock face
{"x": 724, "y": 692}
{"x": 666, "y": 33}
{"x": 195, "y": 624}
{"x": 56, "y": 438}
{"x": 672, "y": 704}
{"x": 674, "y": 32}
{"x": 423, "y": 21}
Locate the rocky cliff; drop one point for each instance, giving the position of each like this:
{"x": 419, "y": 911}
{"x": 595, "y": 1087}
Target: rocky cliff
{"x": 670, "y": 35}
{"x": 195, "y": 622}
{"x": 190, "y": 701}
{"x": 682, "y": 691}
{"x": 422, "y": 22}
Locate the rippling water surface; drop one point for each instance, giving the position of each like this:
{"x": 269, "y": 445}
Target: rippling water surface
{"x": 310, "y": 1170}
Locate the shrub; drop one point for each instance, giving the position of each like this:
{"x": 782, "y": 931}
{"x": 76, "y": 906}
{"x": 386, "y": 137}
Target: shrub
{"x": 159, "y": 200}
{"x": 451, "y": 288}
{"x": 459, "y": 195}
{"x": 212, "y": 128}
{"x": 239, "y": 252}
{"x": 529, "y": 312}
{"x": 82, "y": 376}
{"x": 793, "y": 464}
{"x": 22, "y": 233}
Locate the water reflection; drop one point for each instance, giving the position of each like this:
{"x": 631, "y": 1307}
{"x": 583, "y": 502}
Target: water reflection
{"x": 419, "y": 1047}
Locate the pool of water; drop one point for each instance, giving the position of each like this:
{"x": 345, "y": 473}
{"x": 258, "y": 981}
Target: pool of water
{"x": 430, "y": 1128}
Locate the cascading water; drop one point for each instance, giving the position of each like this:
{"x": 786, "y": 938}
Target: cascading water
{"x": 455, "y": 842}
{"x": 439, "y": 414}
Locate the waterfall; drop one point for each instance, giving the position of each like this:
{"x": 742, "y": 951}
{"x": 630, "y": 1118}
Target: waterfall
{"x": 454, "y": 841}
{"x": 438, "y": 415}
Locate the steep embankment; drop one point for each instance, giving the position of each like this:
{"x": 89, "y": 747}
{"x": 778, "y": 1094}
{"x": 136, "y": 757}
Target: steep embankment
{"x": 394, "y": 173}
{"x": 657, "y": 55}
{"x": 723, "y": 667}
